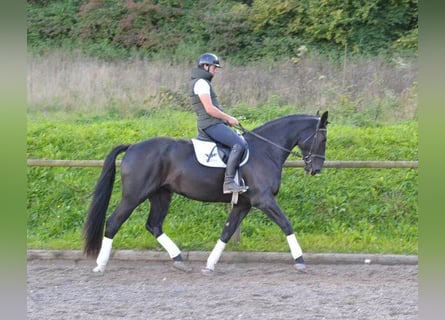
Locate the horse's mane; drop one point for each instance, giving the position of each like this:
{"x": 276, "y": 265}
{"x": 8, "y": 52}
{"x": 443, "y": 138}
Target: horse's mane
{"x": 274, "y": 122}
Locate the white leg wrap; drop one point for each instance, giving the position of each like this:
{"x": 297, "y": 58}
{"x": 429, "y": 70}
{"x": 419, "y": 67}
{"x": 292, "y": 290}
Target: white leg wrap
{"x": 168, "y": 245}
{"x": 214, "y": 256}
{"x": 104, "y": 255}
{"x": 295, "y": 249}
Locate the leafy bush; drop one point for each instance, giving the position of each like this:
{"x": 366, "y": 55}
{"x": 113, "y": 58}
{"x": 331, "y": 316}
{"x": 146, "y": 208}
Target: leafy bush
{"x": 244, "y": 31}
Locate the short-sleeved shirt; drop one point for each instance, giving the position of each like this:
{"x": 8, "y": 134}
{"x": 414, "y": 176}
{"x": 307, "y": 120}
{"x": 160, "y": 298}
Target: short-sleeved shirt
{"x": 201, "y": 87}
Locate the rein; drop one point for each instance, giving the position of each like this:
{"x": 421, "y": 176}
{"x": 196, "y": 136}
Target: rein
{"x": 307, "y": 159}
{"x": 267, "y": 140}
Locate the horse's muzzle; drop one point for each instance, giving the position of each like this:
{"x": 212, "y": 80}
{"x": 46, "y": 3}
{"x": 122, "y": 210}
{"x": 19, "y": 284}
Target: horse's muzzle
{"x": 313, "y": 164}
{"x": 313, "y": 172}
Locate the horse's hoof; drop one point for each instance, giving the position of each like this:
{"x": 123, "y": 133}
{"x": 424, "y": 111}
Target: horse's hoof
{"x": 301, "y": 267}
{"x": 99, "y": 269}
{"x": 207, "y": 272}
{"x": 180, "y": 265}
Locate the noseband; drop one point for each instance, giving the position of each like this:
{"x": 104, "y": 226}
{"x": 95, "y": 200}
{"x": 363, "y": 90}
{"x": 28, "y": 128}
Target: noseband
{"x": 308, "y": 159}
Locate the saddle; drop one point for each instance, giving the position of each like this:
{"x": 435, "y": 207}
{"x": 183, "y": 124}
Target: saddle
{"x": 211, "y": 154}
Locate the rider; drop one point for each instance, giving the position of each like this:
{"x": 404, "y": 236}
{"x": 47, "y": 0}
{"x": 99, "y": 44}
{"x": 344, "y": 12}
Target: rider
{"x": 212, "y": 121}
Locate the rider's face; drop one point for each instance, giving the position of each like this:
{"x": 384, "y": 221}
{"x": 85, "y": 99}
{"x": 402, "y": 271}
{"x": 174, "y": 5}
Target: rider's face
{"x": 212, "y": 69}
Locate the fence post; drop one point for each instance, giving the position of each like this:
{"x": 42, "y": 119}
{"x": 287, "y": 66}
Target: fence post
{"x": 237, "y": 235}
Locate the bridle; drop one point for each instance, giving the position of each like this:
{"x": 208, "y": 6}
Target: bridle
{"x": 307, "y": 159}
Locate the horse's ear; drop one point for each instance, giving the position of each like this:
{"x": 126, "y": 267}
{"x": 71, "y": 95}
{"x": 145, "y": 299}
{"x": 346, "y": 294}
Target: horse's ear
{"x": 324, "y": 120}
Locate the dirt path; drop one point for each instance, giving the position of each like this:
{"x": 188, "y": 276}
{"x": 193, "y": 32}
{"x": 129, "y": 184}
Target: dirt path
{"x": 65, "y": 289}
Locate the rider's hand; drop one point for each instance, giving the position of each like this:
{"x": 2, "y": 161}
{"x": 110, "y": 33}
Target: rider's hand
{"x": 232, "y": 121}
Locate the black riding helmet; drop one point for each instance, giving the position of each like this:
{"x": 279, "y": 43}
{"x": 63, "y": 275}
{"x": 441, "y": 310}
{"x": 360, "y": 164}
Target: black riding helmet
{"x": 208, "y": 58}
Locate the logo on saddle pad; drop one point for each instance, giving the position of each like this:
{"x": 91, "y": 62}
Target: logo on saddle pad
{"x": 209, "y": 154}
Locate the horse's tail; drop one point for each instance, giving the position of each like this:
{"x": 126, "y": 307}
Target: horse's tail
{"x": 95, "y": 221}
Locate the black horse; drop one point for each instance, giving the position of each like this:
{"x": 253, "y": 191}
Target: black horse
{"x": 157, "y": 168}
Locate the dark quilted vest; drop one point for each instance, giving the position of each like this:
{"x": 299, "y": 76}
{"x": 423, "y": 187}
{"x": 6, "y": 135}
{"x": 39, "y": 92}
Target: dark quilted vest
{"x": 204, "y": 120}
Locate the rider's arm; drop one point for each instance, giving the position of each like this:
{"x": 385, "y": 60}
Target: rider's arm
{"x": 202, "y": 89}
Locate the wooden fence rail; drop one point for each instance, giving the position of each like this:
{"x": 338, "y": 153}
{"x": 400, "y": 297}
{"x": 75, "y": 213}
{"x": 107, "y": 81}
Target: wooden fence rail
{"x": 327, "y": 164}
{"x": 237, "y": 236}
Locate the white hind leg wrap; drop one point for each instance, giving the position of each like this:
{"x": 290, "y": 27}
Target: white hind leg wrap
{"x": 214, "y": 256}
{"x": 104, "y": 254}
{"x": 295, "y": 248}
{"x": 169, "y": 245}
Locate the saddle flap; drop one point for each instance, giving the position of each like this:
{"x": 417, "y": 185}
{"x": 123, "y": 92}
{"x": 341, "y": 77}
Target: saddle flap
{"x": 209, "y": 154}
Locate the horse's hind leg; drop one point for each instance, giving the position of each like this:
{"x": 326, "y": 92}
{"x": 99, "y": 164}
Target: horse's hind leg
{"x": 114, "y": 222}
{"x": 159, "y": 204}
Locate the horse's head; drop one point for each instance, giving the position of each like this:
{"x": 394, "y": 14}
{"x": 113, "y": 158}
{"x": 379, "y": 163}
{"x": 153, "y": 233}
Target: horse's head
{"x": 314, "y": 146}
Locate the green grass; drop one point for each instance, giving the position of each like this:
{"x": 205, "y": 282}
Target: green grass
{"x": 341, "y": 210}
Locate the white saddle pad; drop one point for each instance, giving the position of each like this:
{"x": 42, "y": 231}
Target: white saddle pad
{"x": 206, "y": 153}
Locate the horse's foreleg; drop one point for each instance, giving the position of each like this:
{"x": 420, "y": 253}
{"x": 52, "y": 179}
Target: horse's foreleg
{"x": 296, "y": 252}
{"x": 233, "y": 221}
{"x": 213, "y": 258}
{"x": 273, "y": 211}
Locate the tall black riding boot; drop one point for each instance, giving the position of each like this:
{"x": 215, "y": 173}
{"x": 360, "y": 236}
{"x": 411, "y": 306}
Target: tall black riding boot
{"x": 232, "y": 165}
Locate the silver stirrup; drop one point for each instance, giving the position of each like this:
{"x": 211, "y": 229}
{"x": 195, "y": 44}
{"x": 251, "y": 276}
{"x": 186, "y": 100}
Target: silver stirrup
{"x": 235, "y": 194}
